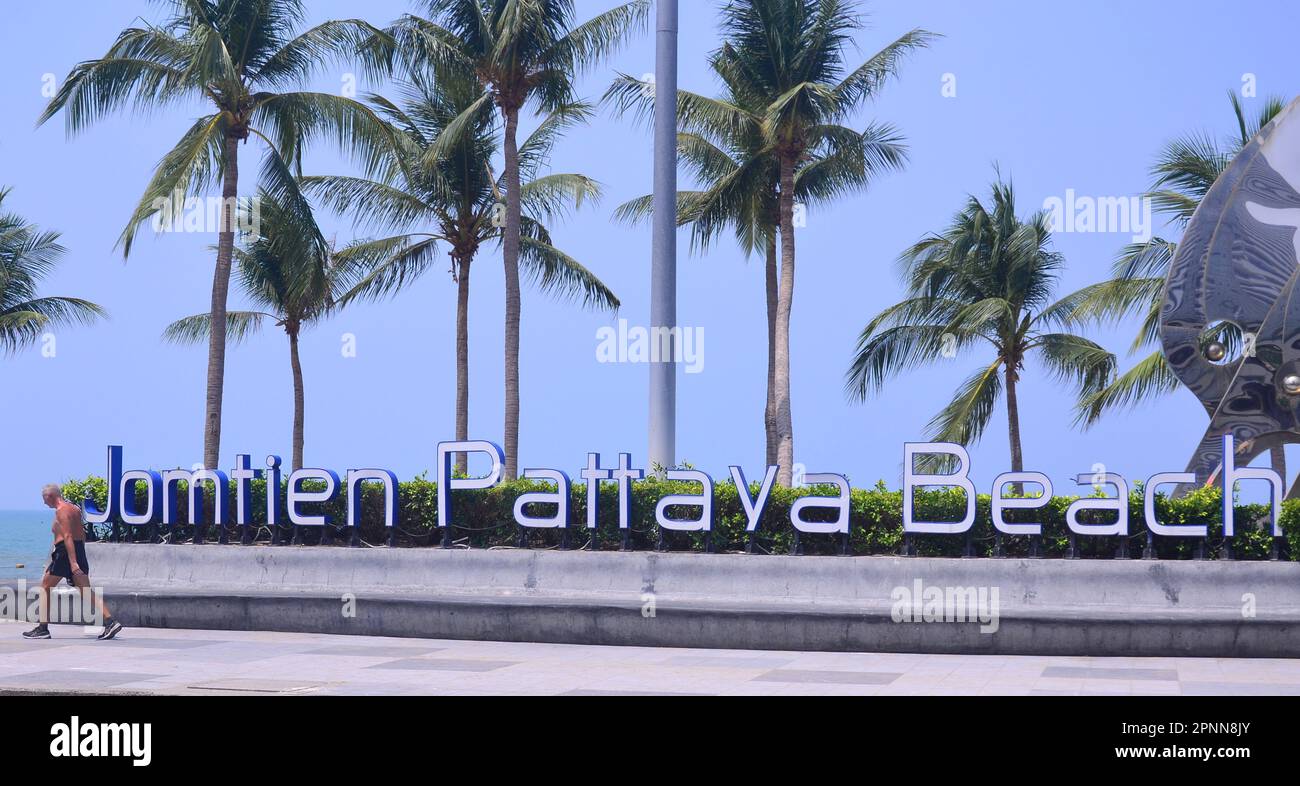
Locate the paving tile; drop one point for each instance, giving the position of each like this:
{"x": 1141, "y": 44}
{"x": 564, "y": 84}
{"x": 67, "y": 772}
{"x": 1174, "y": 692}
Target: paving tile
{"x": 1055, "y": 684}
{"x": 25, "y": 647}
{"x": 444, "y": 664}
{"x": 591, "y": 692}
{"x": 374, "y": 651}
{"x": 71, "y": 679}
{"x": 1239, "y": 689}
{"x": 231, "y": 653}
{"x": 245, "y": 685}
{"x": 838, "y": 677}
{"x": 159, "y": 644}
{"x": 806, "y": 689}
{"x": 1105, "y": 673}
{"x": 727, "y": 662}
{"x": 392, "y": 689}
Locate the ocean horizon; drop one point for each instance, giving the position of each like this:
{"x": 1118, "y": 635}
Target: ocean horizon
{"x": 24, "y": 540}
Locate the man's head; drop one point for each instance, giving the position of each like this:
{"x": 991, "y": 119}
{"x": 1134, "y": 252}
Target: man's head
{"x": 52, "y": 493}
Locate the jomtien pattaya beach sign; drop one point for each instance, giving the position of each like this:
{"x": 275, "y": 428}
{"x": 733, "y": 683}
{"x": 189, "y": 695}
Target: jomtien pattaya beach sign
{"x": 306, "y": 490}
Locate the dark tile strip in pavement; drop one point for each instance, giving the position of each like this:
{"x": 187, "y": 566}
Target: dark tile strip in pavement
{"x": 827, "y": 677}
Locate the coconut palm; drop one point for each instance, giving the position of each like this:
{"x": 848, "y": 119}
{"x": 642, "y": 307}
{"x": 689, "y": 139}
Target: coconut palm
{"x": 288, "y": 272}
{"x": 242, "y": 59}
{"x": 784, "y": 62}
{"x": 455, "y": 199}
{"x": 987, "y": 279}
{"x": 521, "y": 52}
{"x": 740, "y": 190}
{"x": 1184, "y": 173}
{"x": 27, "y": 255}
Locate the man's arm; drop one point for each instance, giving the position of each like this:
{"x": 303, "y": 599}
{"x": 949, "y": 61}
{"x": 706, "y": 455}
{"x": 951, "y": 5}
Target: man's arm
{"x": 63, "y": 520}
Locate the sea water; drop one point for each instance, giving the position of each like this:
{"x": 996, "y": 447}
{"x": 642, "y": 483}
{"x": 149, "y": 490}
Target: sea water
{"x": 24, "y": 540}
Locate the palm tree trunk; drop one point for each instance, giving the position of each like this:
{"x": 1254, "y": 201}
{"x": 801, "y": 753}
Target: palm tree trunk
{"x": 1013, "y": 428}
{"x": 220, "y": 291}
{"x": 299, "y": 403}
{"x": 462, "y": 359}
{"x": 511, "y": 256}
{"x": 769, "y": 412}
{"x": 781, "y": 354}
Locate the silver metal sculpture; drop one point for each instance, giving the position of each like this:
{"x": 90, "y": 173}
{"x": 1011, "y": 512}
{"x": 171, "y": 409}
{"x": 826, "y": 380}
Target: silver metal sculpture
{"x": 1230, "y": 323}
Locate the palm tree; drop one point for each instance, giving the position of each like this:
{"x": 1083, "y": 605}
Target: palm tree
{"x": 1184, "y": 173}
{"x": 27, "y": 255}
{"x": 740, "y": 187}
{"x": 289, "y": 273}
{"x": 988, "y": 278}
{"x": 783, "y": 61}
{"x": 241, "y": 58}
{"x": 519, "y": 52}
{"x": 454, "y": 198}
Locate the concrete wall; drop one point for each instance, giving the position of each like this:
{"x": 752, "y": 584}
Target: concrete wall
{"x": 855, "y": 581}
{"x": 701, "y": 600}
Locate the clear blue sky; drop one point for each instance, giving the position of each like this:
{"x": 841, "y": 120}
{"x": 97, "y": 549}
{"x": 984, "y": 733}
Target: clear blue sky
{"x": 1061, "y": 96}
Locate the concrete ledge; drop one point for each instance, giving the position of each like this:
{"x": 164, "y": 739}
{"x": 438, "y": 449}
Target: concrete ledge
{"x": 718, "y": 626}
{"x": 1046, "y": 607}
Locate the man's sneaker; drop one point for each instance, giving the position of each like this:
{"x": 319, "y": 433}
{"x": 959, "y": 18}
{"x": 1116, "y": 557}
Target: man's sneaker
{"x": 111, "y": 628}
{"x": 38, "y": 632}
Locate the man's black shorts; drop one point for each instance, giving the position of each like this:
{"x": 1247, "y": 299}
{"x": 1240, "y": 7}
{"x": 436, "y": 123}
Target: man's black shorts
{"x": 60, "y": 566}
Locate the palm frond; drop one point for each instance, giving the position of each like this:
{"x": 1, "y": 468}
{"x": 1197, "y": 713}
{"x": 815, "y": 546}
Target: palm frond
{"x": 594, "y": 40}
{"x": 330, "y": 41}
{"x": 146, "y": 68}
{"x": 884, "y": 353}
{"x": 641, "y": 209}
{"x": 372, "y": 204}
{"x": 240, "y": 325}
{"x": 867, "y": 79}
{"x": 23, "y": 323}
{"x": 964, "y": 419}
{"x": 1149, "y": 379}
{"x": 713, "y": 118}
{"x": 534, "y": 152}
{"x": 553, "y": 196}
{"x": 292, "y": 121}
{"x": 189, "y": 167}
{"x": 457, "y": 132}
{"x": 553, "y": 271}
{"x": 853, "y": 163}
{"x": 1076, "y": 361}
{"x": 378, "y": 268}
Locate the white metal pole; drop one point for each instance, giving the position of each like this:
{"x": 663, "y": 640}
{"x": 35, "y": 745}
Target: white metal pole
{"x": 663, "y": 265}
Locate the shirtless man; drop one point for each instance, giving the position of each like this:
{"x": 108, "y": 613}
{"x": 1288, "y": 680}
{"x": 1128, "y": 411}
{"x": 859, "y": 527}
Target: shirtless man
{"x": 68, "y": 561}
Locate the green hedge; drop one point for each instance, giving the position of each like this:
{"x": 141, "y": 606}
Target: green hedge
{"x": 485, "y": 520}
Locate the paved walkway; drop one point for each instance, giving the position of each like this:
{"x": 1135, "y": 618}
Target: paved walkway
{"x": 224, "y": 662}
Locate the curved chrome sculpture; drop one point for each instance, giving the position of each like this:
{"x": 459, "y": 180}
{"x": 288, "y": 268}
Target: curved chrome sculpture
{"x": 1237, "y": 263}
